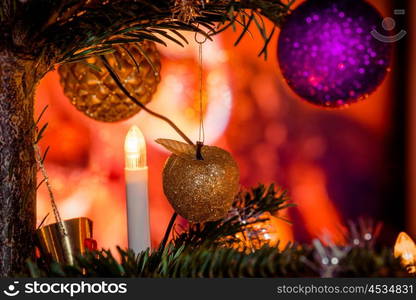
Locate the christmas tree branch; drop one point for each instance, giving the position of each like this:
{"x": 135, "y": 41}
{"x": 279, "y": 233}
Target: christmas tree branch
{"x": 168, "y": 231}
{"x": 218, "y": 262}
{"x": 248, "y": 208}
{"x": 209, "y": 250}
{"x": 67, "y": 30}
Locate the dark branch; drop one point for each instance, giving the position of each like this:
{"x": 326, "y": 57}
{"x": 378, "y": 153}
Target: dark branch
{"x": 70, "y": 30}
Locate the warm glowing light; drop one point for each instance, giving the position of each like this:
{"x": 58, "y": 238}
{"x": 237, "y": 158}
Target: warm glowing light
{"x": 270, "y": 232}
{"x": 135, "y": 149}
{"x": 405, "y": 248}
{"x": 177, "y": 95}
{"x": 310, "y": 193}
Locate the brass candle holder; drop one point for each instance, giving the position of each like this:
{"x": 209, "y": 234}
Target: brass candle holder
{"x": 64, "y": 249}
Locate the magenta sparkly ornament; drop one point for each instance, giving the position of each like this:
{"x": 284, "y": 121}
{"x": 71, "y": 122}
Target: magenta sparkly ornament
{"x": 327, "y": 54}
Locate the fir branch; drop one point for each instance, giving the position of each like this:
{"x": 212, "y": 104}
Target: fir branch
{"x": 206, "y": 250}
{"x": 372, "y": 263}
{"x": 70, "y": 30}
{"x": 247, "y": 210}
{"x": 216, "y": 262}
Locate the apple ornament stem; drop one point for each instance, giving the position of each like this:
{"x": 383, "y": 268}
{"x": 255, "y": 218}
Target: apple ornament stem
{"x": 200, "y": 187}
{"x": 136, "y": 190}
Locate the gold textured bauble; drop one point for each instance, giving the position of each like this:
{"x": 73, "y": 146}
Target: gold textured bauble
{"x": 201, "y": 190}
{"x": 96, "y": 94}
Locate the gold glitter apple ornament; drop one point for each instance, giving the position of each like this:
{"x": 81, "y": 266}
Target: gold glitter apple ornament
{"x": 200, "y": 182}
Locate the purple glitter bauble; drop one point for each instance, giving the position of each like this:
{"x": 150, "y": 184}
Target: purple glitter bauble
{"x": 327, "y": 53}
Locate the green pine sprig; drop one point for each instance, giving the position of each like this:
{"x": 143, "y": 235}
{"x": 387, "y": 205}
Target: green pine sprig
{"x": 72, "y": 30}
{"x": 247, "y": 209}
{"x": 218, "y": 262}
{"x": 206, "y": 251}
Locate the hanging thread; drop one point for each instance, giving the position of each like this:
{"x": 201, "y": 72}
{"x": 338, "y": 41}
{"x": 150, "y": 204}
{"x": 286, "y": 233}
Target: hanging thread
{"x": 201, "y": 98}
{"x": 201, "y": 137}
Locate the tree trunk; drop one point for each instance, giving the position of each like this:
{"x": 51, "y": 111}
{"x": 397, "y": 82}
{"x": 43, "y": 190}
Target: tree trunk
{"x": 17, "y": 163}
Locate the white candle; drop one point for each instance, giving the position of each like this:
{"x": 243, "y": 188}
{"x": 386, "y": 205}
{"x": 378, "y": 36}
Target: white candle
{"x": 136, "y": 190}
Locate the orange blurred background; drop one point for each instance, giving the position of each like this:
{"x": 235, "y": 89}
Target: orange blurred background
{"x": 331, "y": 161}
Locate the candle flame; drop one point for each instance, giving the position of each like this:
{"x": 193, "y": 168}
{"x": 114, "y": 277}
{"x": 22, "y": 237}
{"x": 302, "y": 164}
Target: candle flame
{"x": 405, "y": 248}
{"x": 135, "y": 149}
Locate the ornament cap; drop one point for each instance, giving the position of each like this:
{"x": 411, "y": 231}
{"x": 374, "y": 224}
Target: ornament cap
{"x": 199, "y": 146}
